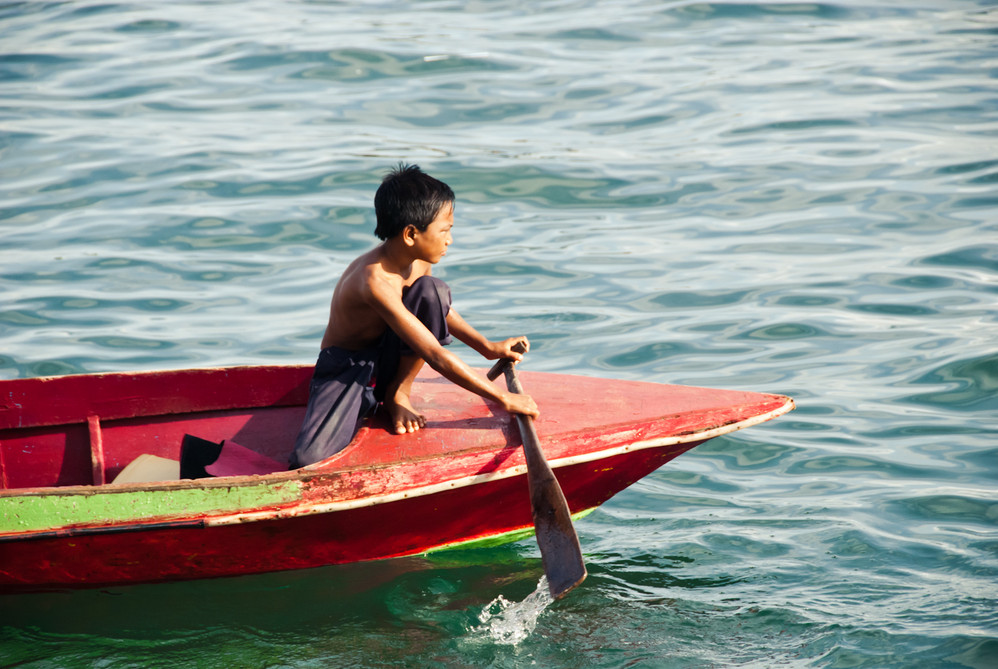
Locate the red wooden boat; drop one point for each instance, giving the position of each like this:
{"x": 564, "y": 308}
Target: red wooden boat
{"x": 72, "y": 515}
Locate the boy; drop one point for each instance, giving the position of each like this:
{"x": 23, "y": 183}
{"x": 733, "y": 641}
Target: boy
{"x": 388, "y": 315}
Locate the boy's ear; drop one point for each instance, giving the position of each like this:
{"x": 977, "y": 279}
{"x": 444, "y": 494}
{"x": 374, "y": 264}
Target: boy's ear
{"x": 409, "y": 235}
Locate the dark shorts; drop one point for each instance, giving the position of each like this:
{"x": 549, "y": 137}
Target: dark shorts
{"x": 345, "y": 387}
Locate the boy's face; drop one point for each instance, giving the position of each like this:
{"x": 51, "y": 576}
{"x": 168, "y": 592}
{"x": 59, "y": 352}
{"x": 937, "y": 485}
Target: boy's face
{"x": 432, "y": 243}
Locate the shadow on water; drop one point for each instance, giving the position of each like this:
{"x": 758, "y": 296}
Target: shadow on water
{"x": 390, "y": 591}
{"x": 485, "y": 599}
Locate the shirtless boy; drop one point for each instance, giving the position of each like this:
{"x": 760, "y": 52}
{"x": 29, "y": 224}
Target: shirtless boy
{"x": 389, "y": 315}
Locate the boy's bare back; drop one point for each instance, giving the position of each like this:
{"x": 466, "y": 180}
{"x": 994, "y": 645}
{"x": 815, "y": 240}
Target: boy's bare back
{"x": 354, "y": 321}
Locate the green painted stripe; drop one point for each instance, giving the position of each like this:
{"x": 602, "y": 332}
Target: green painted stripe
{"x": 485, "y": 542}
{"x": 498, "y": 539}
{"x": 50, "y": 511}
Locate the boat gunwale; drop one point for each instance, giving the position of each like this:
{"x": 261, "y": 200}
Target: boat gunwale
{"x": 262, "y": 397}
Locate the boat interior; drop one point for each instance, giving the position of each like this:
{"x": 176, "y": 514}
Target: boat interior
{"x": 98, "y": 452}
{"x": 118, "y": 428}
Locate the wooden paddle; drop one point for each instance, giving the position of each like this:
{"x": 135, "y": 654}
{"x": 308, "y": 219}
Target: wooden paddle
{"x": 556, "y": 537}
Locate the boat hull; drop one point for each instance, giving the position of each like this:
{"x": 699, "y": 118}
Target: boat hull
{"x": 462, "y": 481}
{"x": 192, "y": 548}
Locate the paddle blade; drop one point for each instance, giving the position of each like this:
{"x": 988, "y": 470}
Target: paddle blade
{"x": 561, "y": 553}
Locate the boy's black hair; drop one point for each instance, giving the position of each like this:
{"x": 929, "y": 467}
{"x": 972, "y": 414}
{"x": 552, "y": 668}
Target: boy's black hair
{"x": 408, "y": 196}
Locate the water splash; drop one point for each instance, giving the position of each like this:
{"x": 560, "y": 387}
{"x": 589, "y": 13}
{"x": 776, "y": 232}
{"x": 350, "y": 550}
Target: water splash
{"x": 509, "y": 622}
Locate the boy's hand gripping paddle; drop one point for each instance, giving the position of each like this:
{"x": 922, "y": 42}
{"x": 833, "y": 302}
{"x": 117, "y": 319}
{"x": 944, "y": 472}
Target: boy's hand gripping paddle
{"x": 556, "y": 537}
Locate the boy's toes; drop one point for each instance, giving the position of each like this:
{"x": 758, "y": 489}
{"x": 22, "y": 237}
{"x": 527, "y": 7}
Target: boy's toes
{"x": 401, "y": 427}
{"x": 406, "y": 420}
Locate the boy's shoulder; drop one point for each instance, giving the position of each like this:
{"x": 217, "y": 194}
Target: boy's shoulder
{"x": 365, "y": 262}
{"x": 365, "y": 270}
{"x": 372, "y": 275}
{"x": 369, "y": 275}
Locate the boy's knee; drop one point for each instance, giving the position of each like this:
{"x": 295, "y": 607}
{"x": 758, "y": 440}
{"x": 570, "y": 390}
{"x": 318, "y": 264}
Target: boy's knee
{"x": 427, "y": 290}
{"x": 428, "y": 298}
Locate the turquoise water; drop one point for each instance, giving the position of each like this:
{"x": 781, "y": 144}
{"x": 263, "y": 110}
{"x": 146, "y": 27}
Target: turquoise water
{"x": 793, "y": 198}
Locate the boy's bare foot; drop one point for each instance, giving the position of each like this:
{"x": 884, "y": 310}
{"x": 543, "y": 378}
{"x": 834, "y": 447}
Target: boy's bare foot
{"x": 404, "y": 417}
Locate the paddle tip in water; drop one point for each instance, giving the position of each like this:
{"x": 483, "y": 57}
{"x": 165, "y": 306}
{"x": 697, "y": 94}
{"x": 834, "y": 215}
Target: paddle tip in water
{"x": 563, "y": 587}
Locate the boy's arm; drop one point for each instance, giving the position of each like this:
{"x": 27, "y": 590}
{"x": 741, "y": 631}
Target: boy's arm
{"x": 490, "y": 350}
{"x": 411, "y": 330}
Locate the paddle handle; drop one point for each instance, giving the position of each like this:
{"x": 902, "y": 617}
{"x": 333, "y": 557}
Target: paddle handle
{"x": 497, "y": 369}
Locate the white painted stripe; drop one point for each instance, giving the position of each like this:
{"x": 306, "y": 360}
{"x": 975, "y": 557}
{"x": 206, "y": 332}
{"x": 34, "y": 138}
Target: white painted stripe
{"x": 331, "y": 507}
